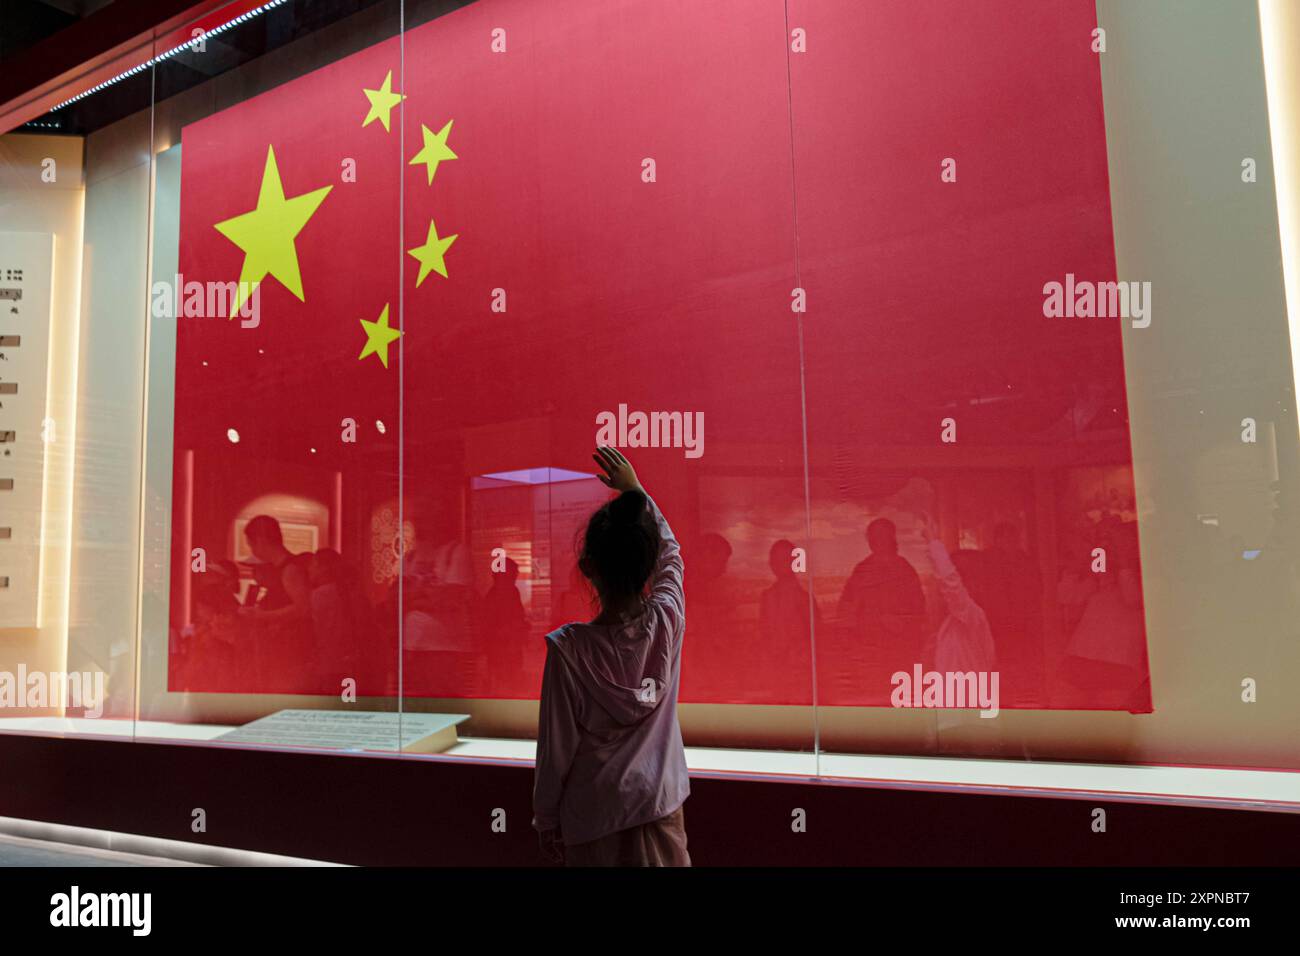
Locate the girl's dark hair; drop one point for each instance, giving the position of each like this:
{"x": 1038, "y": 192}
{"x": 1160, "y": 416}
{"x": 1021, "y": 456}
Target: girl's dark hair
{"x": 620, "y": 546}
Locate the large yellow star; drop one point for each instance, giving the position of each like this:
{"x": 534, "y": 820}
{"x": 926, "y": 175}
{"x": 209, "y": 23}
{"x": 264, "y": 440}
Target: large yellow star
{"x": 378, "y": 337}
{"x": 267, "y": 233}
{"x": 434, "y": 150}
{"x": 430, "y": 254}
{"x": 382, "y": 102}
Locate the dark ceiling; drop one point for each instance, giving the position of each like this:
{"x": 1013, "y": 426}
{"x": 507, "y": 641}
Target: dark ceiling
{"x": 23, "y": 23}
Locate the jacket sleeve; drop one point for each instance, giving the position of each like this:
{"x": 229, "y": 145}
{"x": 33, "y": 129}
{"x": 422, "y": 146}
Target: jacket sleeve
{"x": 666, "y": 582}
{"x": 557, "y": 739}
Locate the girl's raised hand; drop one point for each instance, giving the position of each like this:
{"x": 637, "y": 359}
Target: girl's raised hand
{"x": 619, "y": 473}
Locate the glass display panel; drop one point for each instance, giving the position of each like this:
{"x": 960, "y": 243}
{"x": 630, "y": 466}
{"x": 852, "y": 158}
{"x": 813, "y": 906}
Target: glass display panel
{"x": 287, "y": 428}
{"x": 621, "y": 274}
{"x": 971, "y": 478}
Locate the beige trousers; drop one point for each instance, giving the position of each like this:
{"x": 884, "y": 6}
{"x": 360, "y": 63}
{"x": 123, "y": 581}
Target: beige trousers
{"x": 660, "y": 842}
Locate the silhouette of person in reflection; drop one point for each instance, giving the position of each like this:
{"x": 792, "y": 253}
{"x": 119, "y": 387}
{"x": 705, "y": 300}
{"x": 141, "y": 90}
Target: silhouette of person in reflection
{"x": 784, "y": 618}
{"x": 719, "y": 667}
{"x": 963, "y": 642}
{"x": 576, "y": 601}
{"x": 882, "y": 609}
{"x": 279, "y": 606}
{"x": 505, "y": 627}
{"x": 210, "y": 641}
{"x": 280, "y": 575}
{"x": 337, "y": 614}
{"x": 1106, "y": 655}
{"x": 964, "y": 639}
{"x": 1014, "y": 608}
{"x": 221, "y": 588}
{"x": 437, "y": 599}
{"x": 709, "y": 582}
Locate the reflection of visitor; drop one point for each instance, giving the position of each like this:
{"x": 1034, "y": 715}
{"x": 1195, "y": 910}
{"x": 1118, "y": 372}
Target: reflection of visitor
{"x": 336, "y": 615}
{"x": 505, "y": 627}
{"x": 576, "y": 602}
{"x": 281, "y": 612}
{"x": 785, "y": 645}
{"x": 710, "y": 588}
{"x": 1073, "y": 589}
{"x": 282, "y": 575}
{"x": 1014, "y": 609}
{"x": 611, "y": 769}
{"x": 210, "y": 641}
{"x": 1106, "y": 655}
{"x": 882, "y": 608}
{"x": 219, "y": 588}
{"x": 964, "y": 641}
{"x": 436, "y": 627}
{"x": 718, "y": 668}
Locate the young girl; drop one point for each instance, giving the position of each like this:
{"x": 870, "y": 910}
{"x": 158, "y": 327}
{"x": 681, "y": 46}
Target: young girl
{"x": 611, "y": 770}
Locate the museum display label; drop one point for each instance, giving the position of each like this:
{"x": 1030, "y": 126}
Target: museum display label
{"x": 350, "y": 730}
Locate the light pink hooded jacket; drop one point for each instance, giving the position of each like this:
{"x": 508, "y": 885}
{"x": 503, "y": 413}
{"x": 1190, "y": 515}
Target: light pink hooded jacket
{"x": 609, "y": 748}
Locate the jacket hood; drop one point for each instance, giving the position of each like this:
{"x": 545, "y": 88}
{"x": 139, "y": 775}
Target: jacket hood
{"x": 624, "y": 668}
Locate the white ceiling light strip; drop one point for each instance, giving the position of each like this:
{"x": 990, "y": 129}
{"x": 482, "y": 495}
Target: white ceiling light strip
{"x": 148, "y": 64}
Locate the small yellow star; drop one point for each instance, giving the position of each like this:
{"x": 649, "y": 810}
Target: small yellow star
{"x": 382, "y": 102}
{"x": 430, "y": 254}
{"x": 434, "y": 150}
{"x": 378, "y": 337}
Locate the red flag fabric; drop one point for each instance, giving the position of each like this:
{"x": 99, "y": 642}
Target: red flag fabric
{"x": 798, "y": 279}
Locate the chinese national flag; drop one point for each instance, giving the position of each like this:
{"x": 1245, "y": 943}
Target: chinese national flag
{"x": 610, "y": 204}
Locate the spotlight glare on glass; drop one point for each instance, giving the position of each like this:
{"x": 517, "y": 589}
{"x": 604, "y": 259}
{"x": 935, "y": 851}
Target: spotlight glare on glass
{"x": 233, "y": 436}
{"x": 380, "y": 425}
